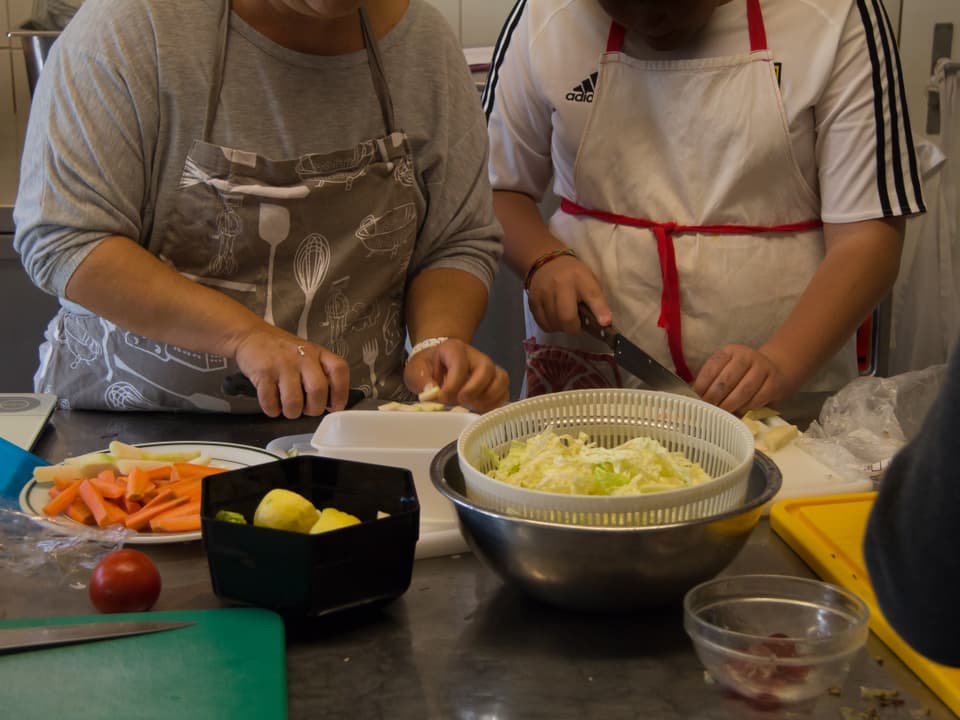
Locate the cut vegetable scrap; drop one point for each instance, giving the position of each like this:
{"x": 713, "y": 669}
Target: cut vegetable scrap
{"x": 769, "y": 437}
{"x": 430, "y": 392}
{"x": 425, "y": 406}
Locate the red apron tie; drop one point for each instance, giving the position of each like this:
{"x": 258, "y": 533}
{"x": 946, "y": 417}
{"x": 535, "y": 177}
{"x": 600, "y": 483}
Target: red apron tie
{"x": 670, "y": 294}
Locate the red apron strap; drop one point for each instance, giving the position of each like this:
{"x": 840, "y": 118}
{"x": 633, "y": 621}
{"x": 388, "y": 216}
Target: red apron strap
{"x": 758, "y": 33}
{"x": 615, "y": 38}
{"x": 670, "y": 301}
{"x": 670, "y": 316}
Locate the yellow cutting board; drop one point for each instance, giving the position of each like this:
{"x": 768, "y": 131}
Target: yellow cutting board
{"x": 827, "y": 532}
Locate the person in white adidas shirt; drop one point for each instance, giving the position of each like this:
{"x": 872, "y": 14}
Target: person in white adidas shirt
{"x": 734, "y": 177}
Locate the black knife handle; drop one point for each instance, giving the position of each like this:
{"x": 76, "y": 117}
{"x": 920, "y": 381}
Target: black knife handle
{"x": 239, "y": 385}
{"x": 592, "y": 326}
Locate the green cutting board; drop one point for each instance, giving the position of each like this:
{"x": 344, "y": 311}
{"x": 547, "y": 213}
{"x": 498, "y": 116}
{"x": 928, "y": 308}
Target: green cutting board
{"x": 230, "y": 664}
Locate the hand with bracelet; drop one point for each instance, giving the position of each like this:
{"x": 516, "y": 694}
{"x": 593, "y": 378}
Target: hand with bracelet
{"x": 556, "y": 281}
{"x": 463, "y": 375}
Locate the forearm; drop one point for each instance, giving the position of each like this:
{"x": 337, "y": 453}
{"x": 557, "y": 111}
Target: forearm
{"x": 526, "y": 236}
{"x": 129, "y": 286}
{"x": 445, "y": 303}
{"x": 860, "y": 266}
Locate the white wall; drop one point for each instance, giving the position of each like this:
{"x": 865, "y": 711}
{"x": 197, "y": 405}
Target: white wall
{"x": 916, "y": 40}
{"x": 14, "y": 95}
{"x": 476, "y": 22}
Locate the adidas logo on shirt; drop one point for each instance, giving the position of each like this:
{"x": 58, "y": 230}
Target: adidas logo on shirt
{"x": 584, "y": 91}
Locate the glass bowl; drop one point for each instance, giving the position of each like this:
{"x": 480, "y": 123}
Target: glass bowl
{"x": 775, "y": 639}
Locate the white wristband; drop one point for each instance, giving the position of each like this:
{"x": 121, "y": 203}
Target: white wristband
{"x": 425, "y": 344}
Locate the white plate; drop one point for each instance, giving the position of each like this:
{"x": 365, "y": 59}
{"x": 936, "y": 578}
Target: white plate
{"x": 224, "y": 455}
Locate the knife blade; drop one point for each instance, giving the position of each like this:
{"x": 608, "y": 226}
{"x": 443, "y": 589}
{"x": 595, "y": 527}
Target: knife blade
{"x": 15, "y": 639}
{"x": 633, "y": 359}
{"x": 239, "y": 385}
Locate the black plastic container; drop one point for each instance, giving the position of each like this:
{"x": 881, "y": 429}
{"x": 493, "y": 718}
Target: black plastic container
{"x": 300, "y": 574}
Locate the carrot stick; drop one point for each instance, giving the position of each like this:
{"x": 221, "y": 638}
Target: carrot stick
{"x": 138, "y": 484}
{"x": 159, "y": 473}
{"x": 94, "y": 500}
{"x": 62, "y": 483}
{"x": 139, "y": 519}
{"x": 131, "y": 506}
{"x": 192, "y": 507}
{"x": 54, "y": 491}
{"x": 79, "y": 512}
{"x": 160, "y": 497}
{"x": 176, "y": 523}
{"x": 107, "y": 475}
{"x": 108, "y": 488}
{"x": 63, "y": 500}
{"x": 184, "y": 471}
{"x": 116, "y": 515}
{"x": 190, "y": 488}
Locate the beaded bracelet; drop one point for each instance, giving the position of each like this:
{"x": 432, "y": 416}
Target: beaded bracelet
{"x": 543, "y": 260}
{"x": 424, "y": 344}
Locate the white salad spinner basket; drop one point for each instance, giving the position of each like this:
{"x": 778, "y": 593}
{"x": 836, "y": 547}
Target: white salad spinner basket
{"x": 718, "y": 441}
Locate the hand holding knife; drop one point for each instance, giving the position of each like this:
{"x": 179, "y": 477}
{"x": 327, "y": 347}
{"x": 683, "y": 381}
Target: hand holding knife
{"x": 632, "y": 358}
{"x": 239, "y": 385}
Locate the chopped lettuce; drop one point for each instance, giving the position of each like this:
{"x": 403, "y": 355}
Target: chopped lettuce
{"x": 578, "y": 466}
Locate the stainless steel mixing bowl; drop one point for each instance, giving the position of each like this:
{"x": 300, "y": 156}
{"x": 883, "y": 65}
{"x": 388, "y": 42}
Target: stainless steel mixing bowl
{"x": 604, "y": 568}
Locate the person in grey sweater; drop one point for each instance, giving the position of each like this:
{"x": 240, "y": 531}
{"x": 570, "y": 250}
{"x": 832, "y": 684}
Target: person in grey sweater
{"x": 911, "y": 540}
{"x": 292, "y": 190}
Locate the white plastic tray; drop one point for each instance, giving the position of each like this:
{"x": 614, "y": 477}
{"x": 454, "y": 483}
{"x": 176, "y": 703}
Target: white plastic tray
{"x": 399, "y": 439}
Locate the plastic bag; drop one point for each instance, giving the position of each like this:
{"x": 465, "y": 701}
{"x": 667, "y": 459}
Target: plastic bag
{"x": 31, "y": 547}
{"x": 868, "y": 421}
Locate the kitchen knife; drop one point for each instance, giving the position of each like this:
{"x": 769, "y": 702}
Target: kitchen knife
{"x": 239, "y": 385}
{"x": 14, "y": 639}
{"x": 633, "y": 359}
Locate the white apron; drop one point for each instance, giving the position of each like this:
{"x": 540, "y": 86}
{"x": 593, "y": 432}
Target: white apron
{"x": 692, "y": 210}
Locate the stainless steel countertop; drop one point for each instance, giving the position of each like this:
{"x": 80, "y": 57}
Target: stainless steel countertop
{"x": 459, "y": 644}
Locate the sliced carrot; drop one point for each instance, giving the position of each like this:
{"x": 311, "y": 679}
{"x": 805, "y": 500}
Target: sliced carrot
{"x": 116, "y": 515}
{"x": 139, "y": 519}
{"x": 187, "y": 488}
{"x": 192, "y": 507}
{"x": 63, "y": 499}
{"x": 175, "y": 523}
{"x": 184, "y": 471}
{"x": 79, "y": 512}
{"x": 160, "y": 497}
{"x": 54, "y": 491}
{"x": 107, "y": 475}
{"x": 108, "y": 488}
{"x": 138, "y": 484}
{"x": 131, "y": 506}
{"x": 159, "y": 473}
{"x": 62, "y": 483}
{"x": 94, "y": 501}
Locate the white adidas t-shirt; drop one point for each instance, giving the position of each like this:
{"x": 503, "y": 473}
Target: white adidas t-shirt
{"x": 839, "y": 78}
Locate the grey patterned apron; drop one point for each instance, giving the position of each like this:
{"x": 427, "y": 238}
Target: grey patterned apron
{"x": 262, "y": 232}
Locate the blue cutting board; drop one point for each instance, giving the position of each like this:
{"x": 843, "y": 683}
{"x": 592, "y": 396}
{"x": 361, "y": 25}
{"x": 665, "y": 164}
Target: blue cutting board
{"x": 230, "y": 664}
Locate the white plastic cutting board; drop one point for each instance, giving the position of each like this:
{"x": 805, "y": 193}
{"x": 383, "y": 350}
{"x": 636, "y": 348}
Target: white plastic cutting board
{"x": 805, "y": 476}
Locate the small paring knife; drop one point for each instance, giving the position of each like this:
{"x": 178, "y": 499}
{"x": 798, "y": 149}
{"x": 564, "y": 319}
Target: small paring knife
{"x": 633, "y": 359}
{"x": 239, "y": 385}
{"x": 28, "y": 638}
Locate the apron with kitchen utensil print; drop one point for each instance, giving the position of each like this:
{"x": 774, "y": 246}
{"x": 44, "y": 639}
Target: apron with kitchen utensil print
{"x": 691, "y": 208}
{"x": 262, "y": 232}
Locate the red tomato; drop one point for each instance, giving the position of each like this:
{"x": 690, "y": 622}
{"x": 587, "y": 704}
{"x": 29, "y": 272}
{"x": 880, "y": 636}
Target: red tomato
{"x": 124, "y": 581}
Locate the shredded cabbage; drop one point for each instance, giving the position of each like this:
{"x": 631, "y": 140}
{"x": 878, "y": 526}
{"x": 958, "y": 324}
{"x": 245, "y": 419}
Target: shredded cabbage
{"x": 579, "y": 466}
